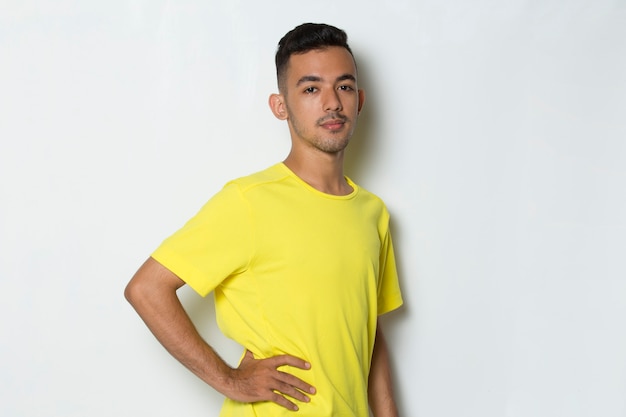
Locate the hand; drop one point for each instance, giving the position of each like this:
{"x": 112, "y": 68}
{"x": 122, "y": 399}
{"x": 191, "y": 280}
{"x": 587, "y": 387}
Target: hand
{"x": 259, "y": 380}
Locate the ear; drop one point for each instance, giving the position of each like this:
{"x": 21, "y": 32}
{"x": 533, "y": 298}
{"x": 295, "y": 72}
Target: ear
{"x": 361, "y": 100}
{"x": 277, "y": 104}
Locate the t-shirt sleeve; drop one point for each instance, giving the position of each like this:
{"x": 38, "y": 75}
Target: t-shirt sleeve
{"x": 214, "y": 245}
{"x": 389, "y": 295}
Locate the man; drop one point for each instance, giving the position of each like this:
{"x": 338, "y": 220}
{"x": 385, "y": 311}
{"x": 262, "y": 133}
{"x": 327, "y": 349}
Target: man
{"x": 299, "y": 258}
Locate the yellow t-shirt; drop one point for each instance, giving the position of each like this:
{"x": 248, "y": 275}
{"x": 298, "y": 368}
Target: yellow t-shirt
{"x": 294, "y": 271}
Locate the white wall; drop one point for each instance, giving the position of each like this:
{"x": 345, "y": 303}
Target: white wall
{"x": 495, "y": 131}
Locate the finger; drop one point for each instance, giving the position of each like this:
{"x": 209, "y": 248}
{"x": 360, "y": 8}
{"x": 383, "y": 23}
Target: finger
{"x": 290, "y": 390}
{"x": 282, "y": 360}
{"x": 295, "y": 382}
{"x": 280, "y": 400}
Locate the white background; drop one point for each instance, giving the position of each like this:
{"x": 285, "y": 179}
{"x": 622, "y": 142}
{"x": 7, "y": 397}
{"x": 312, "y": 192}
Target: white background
{"x": 494, "y": 130}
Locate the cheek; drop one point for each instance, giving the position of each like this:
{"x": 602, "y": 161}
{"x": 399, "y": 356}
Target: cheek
{"x": 302, "y": 110}
{"x": 351, "y": 102}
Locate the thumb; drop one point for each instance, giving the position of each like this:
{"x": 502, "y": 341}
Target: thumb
{"x": 249, "y": 355}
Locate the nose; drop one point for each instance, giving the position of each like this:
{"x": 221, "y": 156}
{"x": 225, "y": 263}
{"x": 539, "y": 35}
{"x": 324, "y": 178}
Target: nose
{"x": 332, "y": 102}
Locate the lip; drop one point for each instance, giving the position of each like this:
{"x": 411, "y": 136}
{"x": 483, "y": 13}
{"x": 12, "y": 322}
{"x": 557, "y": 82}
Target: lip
{"x": 334, "y": 124}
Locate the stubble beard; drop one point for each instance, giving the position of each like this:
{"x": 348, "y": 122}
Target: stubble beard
{"x": 331, "y": 142}
{"x": 333, "y": 145}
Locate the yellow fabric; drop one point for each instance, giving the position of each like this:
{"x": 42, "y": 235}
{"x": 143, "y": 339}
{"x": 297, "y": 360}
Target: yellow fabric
{"x": 294, "y": 271}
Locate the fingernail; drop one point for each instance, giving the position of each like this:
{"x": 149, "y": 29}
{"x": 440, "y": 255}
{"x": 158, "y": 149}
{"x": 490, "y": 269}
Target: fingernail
{"x": 312, "y": 390}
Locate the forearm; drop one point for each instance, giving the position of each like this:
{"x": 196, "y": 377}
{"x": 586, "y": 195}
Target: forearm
{"x": 380, "y": 389}
{"x": 152, "y": 292}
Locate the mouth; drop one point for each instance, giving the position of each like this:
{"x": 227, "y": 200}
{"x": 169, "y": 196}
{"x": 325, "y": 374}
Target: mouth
{"x": 335, "y": 123}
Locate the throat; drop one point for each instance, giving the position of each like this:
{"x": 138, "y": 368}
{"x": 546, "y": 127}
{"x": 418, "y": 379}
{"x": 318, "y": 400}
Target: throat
{"x": 330, "y": 182}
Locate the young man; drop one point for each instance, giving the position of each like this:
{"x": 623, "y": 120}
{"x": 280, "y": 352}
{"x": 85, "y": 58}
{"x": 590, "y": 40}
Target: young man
{"x": 299, "y": 258}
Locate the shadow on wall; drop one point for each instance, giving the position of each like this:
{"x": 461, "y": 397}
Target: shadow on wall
{"x": 360, "y": 156}
{"x": 360, "y": 153}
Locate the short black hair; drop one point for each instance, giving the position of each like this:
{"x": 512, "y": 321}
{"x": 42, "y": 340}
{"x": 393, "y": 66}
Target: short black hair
{"x": 305, "y": 38}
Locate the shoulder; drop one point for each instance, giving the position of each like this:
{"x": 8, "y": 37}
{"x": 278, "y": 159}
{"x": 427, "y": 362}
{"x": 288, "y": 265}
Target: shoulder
{"x": 267, "y": 176}
{"x": 372, "y": 203}
{"x": 368, "y": 196}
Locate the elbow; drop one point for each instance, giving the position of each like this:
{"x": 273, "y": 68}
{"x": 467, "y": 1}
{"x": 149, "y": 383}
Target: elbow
{"x": 151, "y": 284}
{"x": 129, "y": 292}
{"x": 133, "y": 292}
{"x": 138, "y": 285}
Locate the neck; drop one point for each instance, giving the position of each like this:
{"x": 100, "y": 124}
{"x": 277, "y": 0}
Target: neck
{"x": 322, "y": 171}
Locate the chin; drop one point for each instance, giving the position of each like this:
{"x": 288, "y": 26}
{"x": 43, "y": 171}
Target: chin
{"x": 333, "y": 146}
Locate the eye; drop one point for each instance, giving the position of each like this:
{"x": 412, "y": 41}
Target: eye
{"x": 310, "y": 90}
{"x": 346, "y": 88}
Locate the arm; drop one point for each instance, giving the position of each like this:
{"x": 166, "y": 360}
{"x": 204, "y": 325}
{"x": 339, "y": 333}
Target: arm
{"x": 380, "y": 390}
{"x": 152, "y": 292}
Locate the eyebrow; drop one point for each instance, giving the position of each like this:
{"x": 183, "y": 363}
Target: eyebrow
{"x": 315, "y": 78}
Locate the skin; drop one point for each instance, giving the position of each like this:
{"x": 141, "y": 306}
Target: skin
{"x": 380, "y": 387}
{"x": 320, "y": 101}
{"x": 152, "y": 292}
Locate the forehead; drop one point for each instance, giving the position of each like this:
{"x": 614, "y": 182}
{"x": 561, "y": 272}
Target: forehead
{"x": 328, "y": 63}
